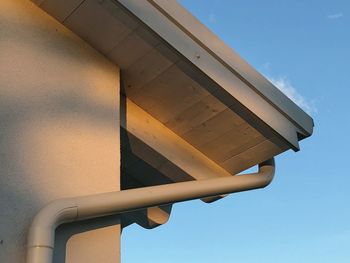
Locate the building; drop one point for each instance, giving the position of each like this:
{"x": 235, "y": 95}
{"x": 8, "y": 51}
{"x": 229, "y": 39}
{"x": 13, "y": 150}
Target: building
{"x": 107, "y": 96}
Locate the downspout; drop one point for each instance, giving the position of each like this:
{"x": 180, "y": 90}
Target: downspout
{"x": 42, "y": 231}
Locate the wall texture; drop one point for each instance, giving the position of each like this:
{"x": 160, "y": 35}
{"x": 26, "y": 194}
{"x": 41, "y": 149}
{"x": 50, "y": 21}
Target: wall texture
{"x": 59, "y": 132}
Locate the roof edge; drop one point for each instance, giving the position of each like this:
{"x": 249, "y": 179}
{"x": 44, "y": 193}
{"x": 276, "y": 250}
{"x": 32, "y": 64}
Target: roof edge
{"x": 232, "y": 61}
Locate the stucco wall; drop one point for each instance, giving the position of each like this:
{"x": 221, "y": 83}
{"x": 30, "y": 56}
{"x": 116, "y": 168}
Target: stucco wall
{"x": 59, "y": 132}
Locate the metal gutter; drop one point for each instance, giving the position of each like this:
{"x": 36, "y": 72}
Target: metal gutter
{"x": 42, "y": 231}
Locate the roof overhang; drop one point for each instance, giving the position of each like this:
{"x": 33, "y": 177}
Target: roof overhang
{"x": 179, "y": 75}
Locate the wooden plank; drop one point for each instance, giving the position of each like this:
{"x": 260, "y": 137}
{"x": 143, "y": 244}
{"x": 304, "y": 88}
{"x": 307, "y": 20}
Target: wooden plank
{"x": 100, "y": 24}
{"x": 197, "y": 75}
{"x": 38, "y": 2}
{"x": 213, "y": 128}
{"x": 147, "y": 175}
{"x": 233, "y": 142}
{"x": 133, "y": 47}
{"x": 164, "y": 98}
{"x": 171, "y": 146}
{"x": 148, "y": 67}
{"x": 136, "y": 153}
{"x": 60, "y": 10}
{"x": 174, "y": 173}
{"x": 143, "y": 151}
{"x": 119, "y": 13}
{"x": 252, "y": 156}
{"x": 195, "y": 115}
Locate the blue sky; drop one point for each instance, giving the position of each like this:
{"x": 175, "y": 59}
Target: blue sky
{"x": 304, "y": 216}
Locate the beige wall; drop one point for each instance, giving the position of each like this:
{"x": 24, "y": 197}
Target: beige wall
{"x": 59, "y": 132}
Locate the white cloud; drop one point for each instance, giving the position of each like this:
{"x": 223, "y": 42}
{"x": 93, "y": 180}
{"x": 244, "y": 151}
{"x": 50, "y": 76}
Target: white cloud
{"x": 284, "y": 85}
{"x": 335, "y": 16}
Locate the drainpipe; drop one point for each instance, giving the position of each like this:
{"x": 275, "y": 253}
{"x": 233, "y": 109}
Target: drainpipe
{"x": 42, "y": 231}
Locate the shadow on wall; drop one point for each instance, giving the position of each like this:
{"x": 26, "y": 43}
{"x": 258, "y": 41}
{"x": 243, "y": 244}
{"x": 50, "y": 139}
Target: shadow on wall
{"x": 67, "y": 232}
{"x": 59, "y": 125}
{"x": 22, "y": 191}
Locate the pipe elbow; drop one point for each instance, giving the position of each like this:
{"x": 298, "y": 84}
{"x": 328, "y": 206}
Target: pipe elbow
{"x": 267, "y": 171}
{"x": 49, "y": 217}
{"x": 262, "y": 178}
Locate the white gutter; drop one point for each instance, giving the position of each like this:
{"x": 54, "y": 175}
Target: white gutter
{"x": 42, "y": 231}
